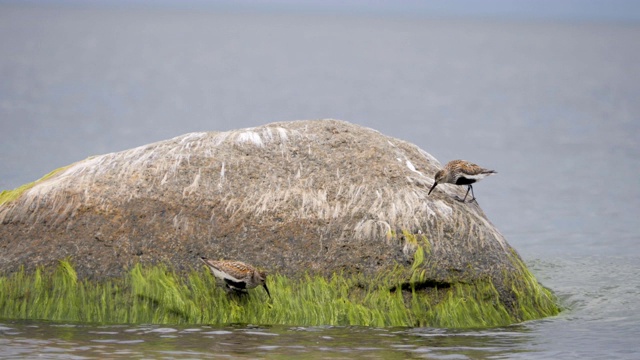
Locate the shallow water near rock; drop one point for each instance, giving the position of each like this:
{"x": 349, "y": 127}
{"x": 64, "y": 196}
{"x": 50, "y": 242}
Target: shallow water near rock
{"x": 551, "y": 106}
{"x": 595, "y": 317}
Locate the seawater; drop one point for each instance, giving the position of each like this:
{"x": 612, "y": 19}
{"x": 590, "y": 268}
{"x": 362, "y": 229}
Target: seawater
{"x": 600, "y": 320}
{"x": 45, "y": 340}
{"x": 552, "y": 106}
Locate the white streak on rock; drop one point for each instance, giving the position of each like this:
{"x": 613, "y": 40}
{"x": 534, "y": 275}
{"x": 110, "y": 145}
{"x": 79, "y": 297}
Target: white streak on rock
{"x": 250, "y": 137}
{"x": 410, "y": 166}
{"x": 194, "y": 185}
{"x": 443, "y": 208}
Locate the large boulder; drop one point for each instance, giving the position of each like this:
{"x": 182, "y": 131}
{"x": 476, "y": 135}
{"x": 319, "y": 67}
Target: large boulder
{"x": 321, "y": 196}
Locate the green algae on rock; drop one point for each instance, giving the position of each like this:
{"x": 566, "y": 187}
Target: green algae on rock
{"x": 157, "y": 295}
{"x": 305, "y": 198}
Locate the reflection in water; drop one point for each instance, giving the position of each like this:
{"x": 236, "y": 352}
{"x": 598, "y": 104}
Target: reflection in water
{"x": 51, "y": 340}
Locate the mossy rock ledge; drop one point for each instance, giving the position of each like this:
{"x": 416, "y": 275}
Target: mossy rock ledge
{"x": 318, "y": 197}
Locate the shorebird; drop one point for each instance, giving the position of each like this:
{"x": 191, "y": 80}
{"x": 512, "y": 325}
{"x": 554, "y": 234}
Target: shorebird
{"x": 237, "y": 276}
{"x": 461, "y": 172}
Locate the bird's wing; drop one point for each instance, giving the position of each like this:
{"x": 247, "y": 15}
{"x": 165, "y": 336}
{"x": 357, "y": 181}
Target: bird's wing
{"x": 218, "y": 272}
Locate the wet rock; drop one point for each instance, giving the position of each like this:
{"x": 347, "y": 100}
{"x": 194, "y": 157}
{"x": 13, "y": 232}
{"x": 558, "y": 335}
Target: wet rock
{"x": 319, "y": 196}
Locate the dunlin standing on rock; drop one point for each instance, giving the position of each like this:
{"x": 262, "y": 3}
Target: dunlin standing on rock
{"x": 237, "y": 276}
{"x": 461, "y": 172}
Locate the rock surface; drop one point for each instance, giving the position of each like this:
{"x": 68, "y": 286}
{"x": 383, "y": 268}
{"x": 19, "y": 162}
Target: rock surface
{"x": 319, "y": 196}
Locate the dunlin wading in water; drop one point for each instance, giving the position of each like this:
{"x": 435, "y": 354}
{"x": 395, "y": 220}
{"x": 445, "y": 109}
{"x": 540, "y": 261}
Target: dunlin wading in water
{"x": 237, "y": 276}
{"x": 461, "y": 172}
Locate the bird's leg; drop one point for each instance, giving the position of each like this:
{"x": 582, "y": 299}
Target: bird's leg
{"x": 235, "y": 290}
{"x": 465, "y": 195}
{"x": 473, "y": 196}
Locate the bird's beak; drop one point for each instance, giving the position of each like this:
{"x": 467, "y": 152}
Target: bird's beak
{"x": 266, "y": 288}
{"x": 433, "y": 187}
